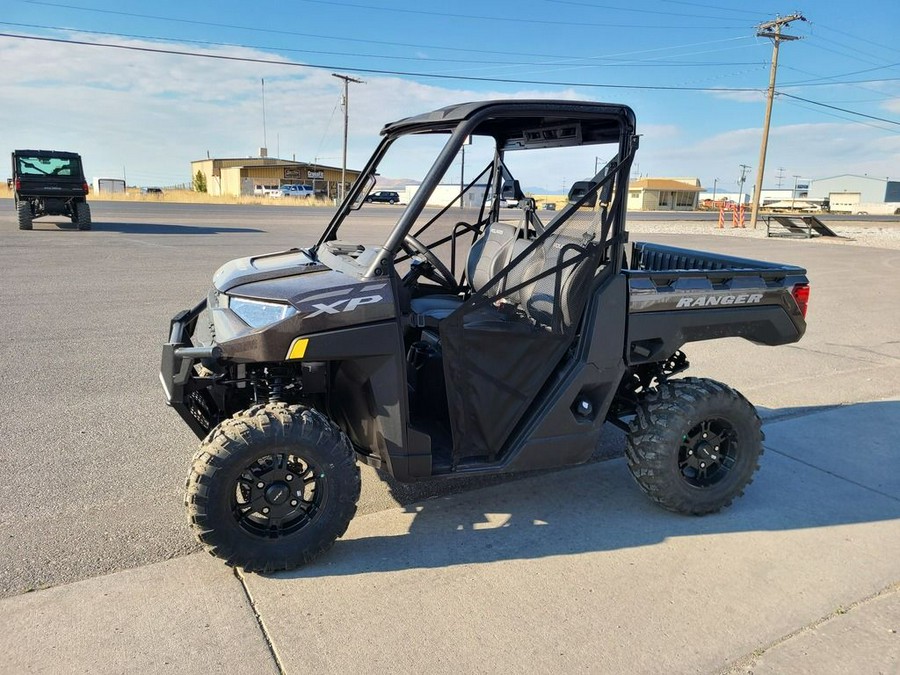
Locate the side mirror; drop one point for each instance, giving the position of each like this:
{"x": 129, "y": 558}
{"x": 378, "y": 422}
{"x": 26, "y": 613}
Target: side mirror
{"x": 511, "y": 190}
{"x": 580, "y": 189}
{"x": 362, "y": 194}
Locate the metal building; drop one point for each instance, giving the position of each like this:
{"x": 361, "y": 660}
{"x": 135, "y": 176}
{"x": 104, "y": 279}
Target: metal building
{"x": 847, "y": 191}
{"x": 254, "y": 175}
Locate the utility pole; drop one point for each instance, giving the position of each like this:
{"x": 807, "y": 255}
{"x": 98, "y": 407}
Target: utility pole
{"x": 772, "y": 30}
{"x": 345, "y": 101}
{"x": 715, "y": 183}
{"x": 462, "y": 173}
{"x": 263, "y": 87}
{"x": 744, "y": 168}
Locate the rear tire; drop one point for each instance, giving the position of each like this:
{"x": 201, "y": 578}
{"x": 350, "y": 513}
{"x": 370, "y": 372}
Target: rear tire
{"x": 23, "y": 212}
{"x": 694, "y": 445}
{"x": 272, "y": 488}
{"x": 83, "y": 215}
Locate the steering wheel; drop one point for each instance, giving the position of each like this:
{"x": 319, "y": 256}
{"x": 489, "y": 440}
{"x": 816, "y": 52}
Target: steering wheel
{"x": 438, "y": 272}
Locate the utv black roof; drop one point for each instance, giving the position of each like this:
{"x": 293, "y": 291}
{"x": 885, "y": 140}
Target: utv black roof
{"x": 53, "y": 153}
{"x": 528, "y": 122}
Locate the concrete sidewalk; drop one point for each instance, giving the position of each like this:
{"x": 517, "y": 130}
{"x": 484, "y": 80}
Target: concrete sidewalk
{"x": 574, "y": 571}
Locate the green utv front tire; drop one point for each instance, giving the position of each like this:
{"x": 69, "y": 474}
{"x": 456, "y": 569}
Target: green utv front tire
{"x": 694, "y": 445}
{"x": 23, "y": 213}
{"x": 272, "y": 488}
{"x": 83, "y": 215}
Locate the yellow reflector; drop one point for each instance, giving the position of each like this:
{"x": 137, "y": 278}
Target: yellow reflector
{"x": 298, "y": 348}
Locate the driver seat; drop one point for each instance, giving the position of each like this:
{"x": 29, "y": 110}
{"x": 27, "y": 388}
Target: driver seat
{"x": 488, "y": 255}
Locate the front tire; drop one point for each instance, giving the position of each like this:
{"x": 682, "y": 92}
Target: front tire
{"x": 694, "y": 445}
{"x": 272, "y": 488}
{"x": 83, "y": 215}
{"x": 23, "y": 214}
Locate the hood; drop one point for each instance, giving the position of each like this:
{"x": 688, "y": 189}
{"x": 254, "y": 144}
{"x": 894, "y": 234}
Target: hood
{"x": 265, "y": 267}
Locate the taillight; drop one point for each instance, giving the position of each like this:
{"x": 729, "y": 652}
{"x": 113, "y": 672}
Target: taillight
{"x": 84, "y": 186}
{"x": 801, "y": 297}
{"x": 18, "y": 184}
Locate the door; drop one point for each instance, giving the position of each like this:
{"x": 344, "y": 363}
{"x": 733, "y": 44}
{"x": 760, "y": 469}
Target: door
{"x": 843, "y": 201}
{"x": 501, "y": 346}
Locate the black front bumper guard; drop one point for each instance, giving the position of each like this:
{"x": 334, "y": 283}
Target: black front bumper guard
{"x": 176, "y": 371}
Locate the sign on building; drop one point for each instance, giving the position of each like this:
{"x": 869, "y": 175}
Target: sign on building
{"x": 315, "y": 174}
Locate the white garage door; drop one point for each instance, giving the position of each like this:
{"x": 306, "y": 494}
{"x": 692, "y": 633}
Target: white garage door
{"x": 843, "y": 201}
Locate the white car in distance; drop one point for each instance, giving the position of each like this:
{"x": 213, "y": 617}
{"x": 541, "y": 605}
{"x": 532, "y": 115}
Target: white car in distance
{"x": 304, "y": 191}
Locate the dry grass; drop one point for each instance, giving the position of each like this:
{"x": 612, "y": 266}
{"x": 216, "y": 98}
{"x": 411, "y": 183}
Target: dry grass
{"x": 191, "y": 197}
{"x": 559, "y": 200}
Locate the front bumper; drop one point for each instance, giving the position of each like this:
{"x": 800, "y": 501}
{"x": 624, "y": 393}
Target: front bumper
{"x": 176, "y": 372}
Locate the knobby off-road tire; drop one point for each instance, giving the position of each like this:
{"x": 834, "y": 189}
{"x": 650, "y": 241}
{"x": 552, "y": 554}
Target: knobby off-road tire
{"x": 694, "y": 445}
{"x": 23, "y": 212}
{"x": 272, "y": 488}
{"x": 83, "y": 215}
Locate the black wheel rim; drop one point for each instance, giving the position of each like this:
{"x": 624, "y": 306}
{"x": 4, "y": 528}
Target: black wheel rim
{"x": 708, "y": 452}
{"x": 277, "y": 495}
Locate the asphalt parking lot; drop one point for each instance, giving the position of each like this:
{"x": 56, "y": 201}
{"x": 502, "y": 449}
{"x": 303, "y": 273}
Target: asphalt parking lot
{"x": 93, "y": 461}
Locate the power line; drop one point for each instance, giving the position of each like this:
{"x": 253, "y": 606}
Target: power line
{"x": 196, "y": 22}
{"x": 641, "y": 11}
{"x": 440, "y": 76}
{"x": 845, "y": 33}
{"x": 719, "y": 7}
{"x": 849, "y": 53}
{"x": 833, "y": 79}
{"x": 834, "y": 107}
{"x": 840, "y": 117}
{"x": 825, "y": 81}
{"x": 374, "y": 71}
{"x": 825, "y": 84}
{"x": 507, "y": 19}
{"x": 576, "y": 60}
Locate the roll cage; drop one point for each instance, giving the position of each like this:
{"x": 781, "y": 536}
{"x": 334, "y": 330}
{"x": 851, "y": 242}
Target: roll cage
{"x": 513, "y": 126}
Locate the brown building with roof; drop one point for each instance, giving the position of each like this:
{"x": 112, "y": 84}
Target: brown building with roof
{"x": 664, "y": 194}
{"x": 261, "y": 175}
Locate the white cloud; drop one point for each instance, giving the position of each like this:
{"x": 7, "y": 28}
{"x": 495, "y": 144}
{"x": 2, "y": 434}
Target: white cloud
{"x": 151, "y": 114}
{"x": 893, "y": 105}
{"x": 755, "y": 97}
{"x": 807, "y": 150}
{"x": 154, "y": 113}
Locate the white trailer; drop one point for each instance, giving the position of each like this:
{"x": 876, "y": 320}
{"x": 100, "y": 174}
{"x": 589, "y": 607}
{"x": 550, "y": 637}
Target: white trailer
{"x": 875, "y": 209}
{"x": 108, "y": 186}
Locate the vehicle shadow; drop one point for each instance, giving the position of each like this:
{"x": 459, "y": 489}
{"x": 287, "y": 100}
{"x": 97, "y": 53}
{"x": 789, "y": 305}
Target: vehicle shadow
{"x": 141, "y": 228}
{"x": 166, "y": 228}
{"x": 808, "y": 483}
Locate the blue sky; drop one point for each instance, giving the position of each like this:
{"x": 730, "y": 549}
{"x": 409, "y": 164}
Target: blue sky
{"x": 149, "y": 114}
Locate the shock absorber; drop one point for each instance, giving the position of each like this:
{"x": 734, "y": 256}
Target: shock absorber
{"x": 275, "y": 390}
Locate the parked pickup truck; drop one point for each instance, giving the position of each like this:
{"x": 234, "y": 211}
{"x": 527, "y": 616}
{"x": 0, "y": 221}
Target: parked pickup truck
{"x": 465, "y": 340}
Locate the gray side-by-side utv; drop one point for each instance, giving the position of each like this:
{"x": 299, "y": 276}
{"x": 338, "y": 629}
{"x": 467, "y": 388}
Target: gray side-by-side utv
{"x": 468, "y": 339}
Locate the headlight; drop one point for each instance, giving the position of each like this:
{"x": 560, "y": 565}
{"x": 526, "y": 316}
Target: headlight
{"x": 257, "y": 313}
